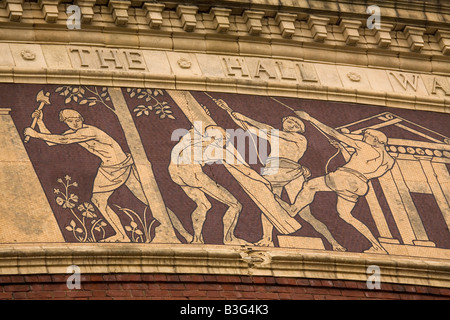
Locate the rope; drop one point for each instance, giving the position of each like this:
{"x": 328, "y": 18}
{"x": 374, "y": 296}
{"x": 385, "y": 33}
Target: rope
{"x": 243, "y": 124}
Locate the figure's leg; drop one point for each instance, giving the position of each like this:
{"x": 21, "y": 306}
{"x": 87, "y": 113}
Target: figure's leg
{"x": 100, "y": 200}
{"x": 344, "y": 208}
{"x": 134, "y": 185}
{"x": 230, "y": 218}
{"x": 306, "y": 196}
{"x": 199, "y": 214}
{"x": 320, "y": 227}
{"x": 266, "y": 239}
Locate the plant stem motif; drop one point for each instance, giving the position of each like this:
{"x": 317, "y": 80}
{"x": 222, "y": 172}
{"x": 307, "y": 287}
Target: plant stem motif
{"x": 85, "y": 224}
{"x": 85, "y": 95}
{"x": 161, "y": 108}
{"x": 139, "y": 228}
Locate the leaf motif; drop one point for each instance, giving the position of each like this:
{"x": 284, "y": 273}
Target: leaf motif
{"x": 58, "y": 89}
{"x": 171, "y": 117}
{"x": 139, "y": 232}
{"x": 79, "y": 230}
{"x": 72, "y": 223}
{"x": 68, "y": 99}
{"x": 133, "y": 224}
{"x": 73, "y": 197}
{"x": 84, "y": 101}
{"x": 128, "y": 228}
{"x": 69, "y": 228}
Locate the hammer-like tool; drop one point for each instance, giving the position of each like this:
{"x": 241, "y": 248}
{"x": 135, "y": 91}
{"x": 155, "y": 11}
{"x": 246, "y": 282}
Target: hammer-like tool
{"x": 43, "y": 99}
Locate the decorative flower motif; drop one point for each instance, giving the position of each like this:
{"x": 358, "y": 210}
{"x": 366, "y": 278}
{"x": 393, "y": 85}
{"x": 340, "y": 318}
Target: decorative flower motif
{"x": 353, "y": 76}
{"x": 28, "y": 54}
{"x": 184, "y": 63}
{"x": 87, "y": 210}
{"x": 66, "y": 203}
{"x": 79, "y": 226}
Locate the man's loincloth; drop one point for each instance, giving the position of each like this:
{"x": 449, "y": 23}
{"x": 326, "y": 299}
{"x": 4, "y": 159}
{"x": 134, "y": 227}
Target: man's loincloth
{"x": 347, "y": 183}
{"x": 281, "y": 171}
{"x": 110, "y": 178}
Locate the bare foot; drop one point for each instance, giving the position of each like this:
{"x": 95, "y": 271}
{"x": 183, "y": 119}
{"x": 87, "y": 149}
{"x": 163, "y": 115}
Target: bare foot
{"x": 264, "y": 242}
{"x": 197, "y": 240}
{"x": 339, "y": 248}
{"x": 376, "y": 249}
{"x": 237, "y": 242}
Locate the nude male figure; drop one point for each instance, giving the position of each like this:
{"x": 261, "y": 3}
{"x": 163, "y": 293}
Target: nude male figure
{"x": 189, "y": 156}
{"x": 116, "y": 169}
{"x": 282, "y": 168}
{"x": 350, "y": 182}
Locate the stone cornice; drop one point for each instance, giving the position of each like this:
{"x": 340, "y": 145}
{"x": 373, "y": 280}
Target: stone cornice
{"x": 210, "y": 259}
{"x": 341, "y": 18}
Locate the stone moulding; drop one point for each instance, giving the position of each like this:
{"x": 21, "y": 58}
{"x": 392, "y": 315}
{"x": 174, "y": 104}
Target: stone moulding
{"x": 322, "y": 23}
{"x": 211, "y": 259}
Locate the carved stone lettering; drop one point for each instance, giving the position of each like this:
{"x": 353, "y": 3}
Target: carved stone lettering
{"x": 112, "y": 59}
{"x": 135, "y": 60}
{"x": 285, "y": 72}
{"x": 307, "y": 72}
{"x": 233, "y": 64}
{"x": 261, "y": 68}
{"x": 82, "y": 55}
{"x": 406, "y": 80}
{"x": 441, "y": 86}
{"x": 110, "y": 55}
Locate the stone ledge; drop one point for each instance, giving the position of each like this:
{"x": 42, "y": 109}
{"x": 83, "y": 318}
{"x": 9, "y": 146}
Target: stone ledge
{"x": 52, "y": 258}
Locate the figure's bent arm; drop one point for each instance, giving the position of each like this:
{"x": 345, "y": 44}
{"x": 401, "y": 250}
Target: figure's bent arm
{"x": 67, "y": 138}
{"x": 43, "y": 129}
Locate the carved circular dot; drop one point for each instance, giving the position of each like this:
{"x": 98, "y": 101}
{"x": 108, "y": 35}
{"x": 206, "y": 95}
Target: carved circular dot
{"x": 393, "y": 148}
{"x": 447, "y": 154}
{"x": 420, "y": 151}
{"x": 401, "y": 149}
{"x": 410, "y": 150}
{"x": 437, "y": 153}
{"x": 428, "y": 152}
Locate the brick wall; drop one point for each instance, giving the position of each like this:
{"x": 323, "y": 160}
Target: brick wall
{"x": 214, "y": 287}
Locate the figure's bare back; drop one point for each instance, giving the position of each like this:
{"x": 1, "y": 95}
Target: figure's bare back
{"x": 102, "y": 145}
